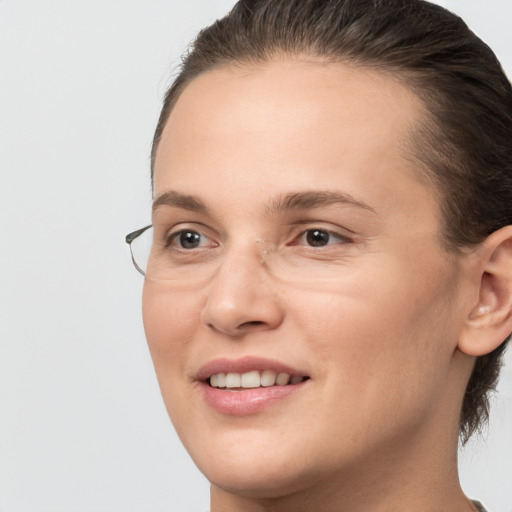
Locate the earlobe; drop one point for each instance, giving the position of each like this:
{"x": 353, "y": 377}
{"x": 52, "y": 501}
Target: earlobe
{"x": 490, "y": 319}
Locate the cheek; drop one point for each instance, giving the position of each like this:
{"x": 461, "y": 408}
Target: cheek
{"x": 387, "y": 338}
{"x": 170, "y": 321}
{"x": 371, "y": 309}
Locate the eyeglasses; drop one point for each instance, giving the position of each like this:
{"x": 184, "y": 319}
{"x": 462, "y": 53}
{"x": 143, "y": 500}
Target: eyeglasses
{"x": 184, "y": 259}
{"x": 153, "y": 256}
{"x": 140, "y": 242}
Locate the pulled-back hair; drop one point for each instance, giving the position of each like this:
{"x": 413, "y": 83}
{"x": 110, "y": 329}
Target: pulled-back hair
{"x": 464, "y": 145}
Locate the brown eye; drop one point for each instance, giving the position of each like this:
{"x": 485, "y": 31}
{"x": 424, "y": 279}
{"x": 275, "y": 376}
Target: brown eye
{"x": 321, "y": 237}
{"x": 189, "y": 239}
{"x": 317, "y": 237}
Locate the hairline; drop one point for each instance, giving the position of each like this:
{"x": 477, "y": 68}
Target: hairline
{"x": 415, "y": 146}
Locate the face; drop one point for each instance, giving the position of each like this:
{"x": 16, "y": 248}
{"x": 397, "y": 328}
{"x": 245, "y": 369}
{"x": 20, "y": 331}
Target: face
{"x": 304, "y": 244}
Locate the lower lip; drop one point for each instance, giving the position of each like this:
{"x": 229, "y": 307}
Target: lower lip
{"x": 247, "y": 401}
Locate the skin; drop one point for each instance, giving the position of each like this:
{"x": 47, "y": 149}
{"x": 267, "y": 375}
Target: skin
{"x": 376, "y": 318}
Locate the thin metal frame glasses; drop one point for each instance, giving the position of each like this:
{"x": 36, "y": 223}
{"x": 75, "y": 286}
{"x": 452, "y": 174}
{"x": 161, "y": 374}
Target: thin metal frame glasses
{"x": 130, "y": 237}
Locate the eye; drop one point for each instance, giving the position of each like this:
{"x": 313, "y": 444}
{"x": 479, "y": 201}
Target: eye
{"x": 321, "y": 238}
{"x": 190, "y": 239}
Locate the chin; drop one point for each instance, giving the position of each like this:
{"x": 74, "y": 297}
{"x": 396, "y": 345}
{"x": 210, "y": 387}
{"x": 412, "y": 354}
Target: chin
{"x": 257, "y": 464}
{"x": 259, "y": 480}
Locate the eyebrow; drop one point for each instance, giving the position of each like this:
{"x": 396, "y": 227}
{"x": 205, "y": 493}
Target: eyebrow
{"x": 178, "y": 200}
{"x": 314, "y": 199}
{"x": 292, "y": 201}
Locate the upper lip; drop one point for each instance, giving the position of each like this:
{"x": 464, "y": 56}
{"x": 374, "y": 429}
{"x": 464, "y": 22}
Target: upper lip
{"x": 243, "y": 365}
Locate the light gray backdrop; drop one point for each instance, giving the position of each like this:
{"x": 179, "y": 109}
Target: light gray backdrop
{"x": 82, "y": 424}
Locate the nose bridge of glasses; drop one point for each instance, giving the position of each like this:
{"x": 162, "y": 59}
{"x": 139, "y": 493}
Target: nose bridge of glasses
{"x": 265, "y": 249}
{"x": 248, "y": 254}
{"x": 243, "y": 263}
{"x": 238, "y": 254}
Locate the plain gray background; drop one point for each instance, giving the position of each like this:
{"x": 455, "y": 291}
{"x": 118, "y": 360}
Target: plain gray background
{"x": 82, "y": 424}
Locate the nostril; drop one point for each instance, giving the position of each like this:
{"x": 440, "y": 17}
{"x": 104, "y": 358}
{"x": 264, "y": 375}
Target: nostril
{"x": 247, "y": 326}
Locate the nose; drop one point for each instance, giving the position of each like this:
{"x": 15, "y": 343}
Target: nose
{"x": 242, "y": 297}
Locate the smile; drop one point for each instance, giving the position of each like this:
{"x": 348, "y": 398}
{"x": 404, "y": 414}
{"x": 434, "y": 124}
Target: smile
{"x": 249, "y": 385}
{"x": 253, "y": 379}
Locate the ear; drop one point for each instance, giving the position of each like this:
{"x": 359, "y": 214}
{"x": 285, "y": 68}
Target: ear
{"x": 490, "y": 319}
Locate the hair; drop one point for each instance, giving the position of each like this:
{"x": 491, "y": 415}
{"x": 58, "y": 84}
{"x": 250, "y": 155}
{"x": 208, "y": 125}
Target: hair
{"x": 465, "y": 141}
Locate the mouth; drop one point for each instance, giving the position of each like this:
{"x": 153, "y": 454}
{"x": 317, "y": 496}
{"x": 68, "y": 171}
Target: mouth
{"x": 248, "y": 385}
{"x": 233, "y": 381}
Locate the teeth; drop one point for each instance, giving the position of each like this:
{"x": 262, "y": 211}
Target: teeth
{"x": 253, "y": 379}
{"x": 233, "y": 380}
{"x": 282, "y": 379}
{"x": 218, "y": 380}
{"x": 221, "y": 380}
{"x": 268, "y": 378}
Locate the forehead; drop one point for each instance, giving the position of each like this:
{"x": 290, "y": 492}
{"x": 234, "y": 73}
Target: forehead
{"x": 288, "y": 120}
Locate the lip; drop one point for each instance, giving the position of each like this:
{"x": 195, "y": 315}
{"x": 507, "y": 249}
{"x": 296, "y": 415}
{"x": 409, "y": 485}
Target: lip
{"x": 247, "y": 401}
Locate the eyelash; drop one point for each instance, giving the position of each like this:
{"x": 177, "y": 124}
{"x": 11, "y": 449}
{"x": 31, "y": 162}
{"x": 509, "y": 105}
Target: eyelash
{"x": 173, "y": 238}
{"x": 331, "y": 234}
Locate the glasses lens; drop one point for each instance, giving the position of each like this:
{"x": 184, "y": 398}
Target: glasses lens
{"x": 159, "y": 260}
{"x": 141, "y": 249}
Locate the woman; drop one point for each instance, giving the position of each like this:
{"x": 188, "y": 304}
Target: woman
{"x": 329, "y": 289}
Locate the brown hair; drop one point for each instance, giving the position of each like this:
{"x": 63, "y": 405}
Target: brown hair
{"x": 465, "y": 144}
